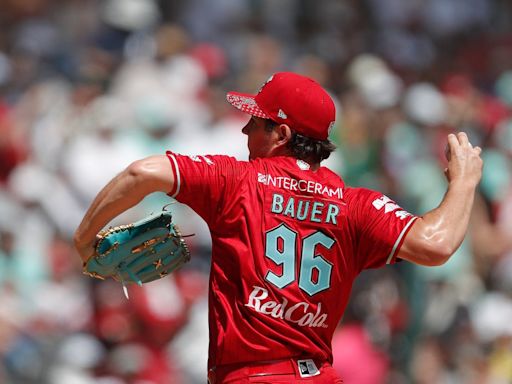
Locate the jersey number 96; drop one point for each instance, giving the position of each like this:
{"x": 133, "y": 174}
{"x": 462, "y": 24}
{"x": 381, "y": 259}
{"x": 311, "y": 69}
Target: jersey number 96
{"x": 286, "y": 256}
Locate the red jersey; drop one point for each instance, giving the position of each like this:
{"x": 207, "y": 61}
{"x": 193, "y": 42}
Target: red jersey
{"x": 287, "y": 244}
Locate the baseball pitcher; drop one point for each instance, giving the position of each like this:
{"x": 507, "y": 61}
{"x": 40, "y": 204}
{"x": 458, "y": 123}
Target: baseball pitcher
{"x": 289, "y": 237}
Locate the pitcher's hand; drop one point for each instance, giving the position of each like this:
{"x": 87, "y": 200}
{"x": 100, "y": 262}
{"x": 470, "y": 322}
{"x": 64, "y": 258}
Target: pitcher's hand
{"x": 464, "y": 161}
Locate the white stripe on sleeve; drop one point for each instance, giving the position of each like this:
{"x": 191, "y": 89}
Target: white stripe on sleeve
{"x": 177, "y": 178}
{"x": 399, "y": 239}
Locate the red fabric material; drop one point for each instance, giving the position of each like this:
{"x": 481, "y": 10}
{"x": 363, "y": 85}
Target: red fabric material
{"x": 252, "y": 318}
{"x": 277, "y": 372}
{"x": 289, "y": 98}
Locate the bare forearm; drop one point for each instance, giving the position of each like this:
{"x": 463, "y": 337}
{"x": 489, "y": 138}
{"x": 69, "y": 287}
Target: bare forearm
{"x": 120, "y": 194}
{"x": 438, "y": 234}
{"x": 446, "y": 225}
{"x": 123, "y": 192}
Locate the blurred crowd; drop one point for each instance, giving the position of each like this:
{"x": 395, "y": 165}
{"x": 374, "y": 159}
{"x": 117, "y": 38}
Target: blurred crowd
{"x": 87, "y": 86}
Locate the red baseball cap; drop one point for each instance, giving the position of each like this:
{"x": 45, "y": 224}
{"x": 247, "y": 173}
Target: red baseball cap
{"x": 292, "y": 99}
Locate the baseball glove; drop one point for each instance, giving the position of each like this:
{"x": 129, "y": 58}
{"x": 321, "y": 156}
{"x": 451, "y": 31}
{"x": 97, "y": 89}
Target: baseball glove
{"x": 140, "y": 252}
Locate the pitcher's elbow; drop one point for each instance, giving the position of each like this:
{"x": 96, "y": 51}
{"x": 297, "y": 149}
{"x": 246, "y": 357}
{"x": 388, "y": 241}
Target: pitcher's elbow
{"x": 429, "y": 245}
{"x": 137, "y": 170}
{"x": 440, "y": 253}
{"x": 151, "y": 174}
{"x": 140, "y": 174}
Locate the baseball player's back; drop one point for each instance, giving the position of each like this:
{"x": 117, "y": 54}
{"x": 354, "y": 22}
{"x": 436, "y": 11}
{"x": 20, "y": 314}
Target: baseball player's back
{"x": 283, "y": 277}
{"x": 290, "y": 244}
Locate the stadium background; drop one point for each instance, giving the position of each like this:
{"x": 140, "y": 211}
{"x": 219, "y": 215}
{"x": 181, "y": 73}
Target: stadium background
{"x": 88, "y": 86}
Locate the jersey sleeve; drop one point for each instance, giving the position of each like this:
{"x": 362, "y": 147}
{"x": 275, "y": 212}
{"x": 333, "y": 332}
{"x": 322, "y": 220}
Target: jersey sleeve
{"x": 380, "y": 226}
{"x": 204, "y": 183}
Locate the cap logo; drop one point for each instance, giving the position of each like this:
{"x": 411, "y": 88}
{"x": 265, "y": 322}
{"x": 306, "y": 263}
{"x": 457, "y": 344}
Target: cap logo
{"x": 281, "y": 114}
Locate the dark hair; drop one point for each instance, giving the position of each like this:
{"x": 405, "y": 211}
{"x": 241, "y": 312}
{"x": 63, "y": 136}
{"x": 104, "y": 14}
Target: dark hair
{"x": 305, "y": 148}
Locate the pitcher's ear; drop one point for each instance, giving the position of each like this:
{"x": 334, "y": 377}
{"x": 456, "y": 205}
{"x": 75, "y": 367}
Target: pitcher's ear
{"x": 284, "y": 133}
